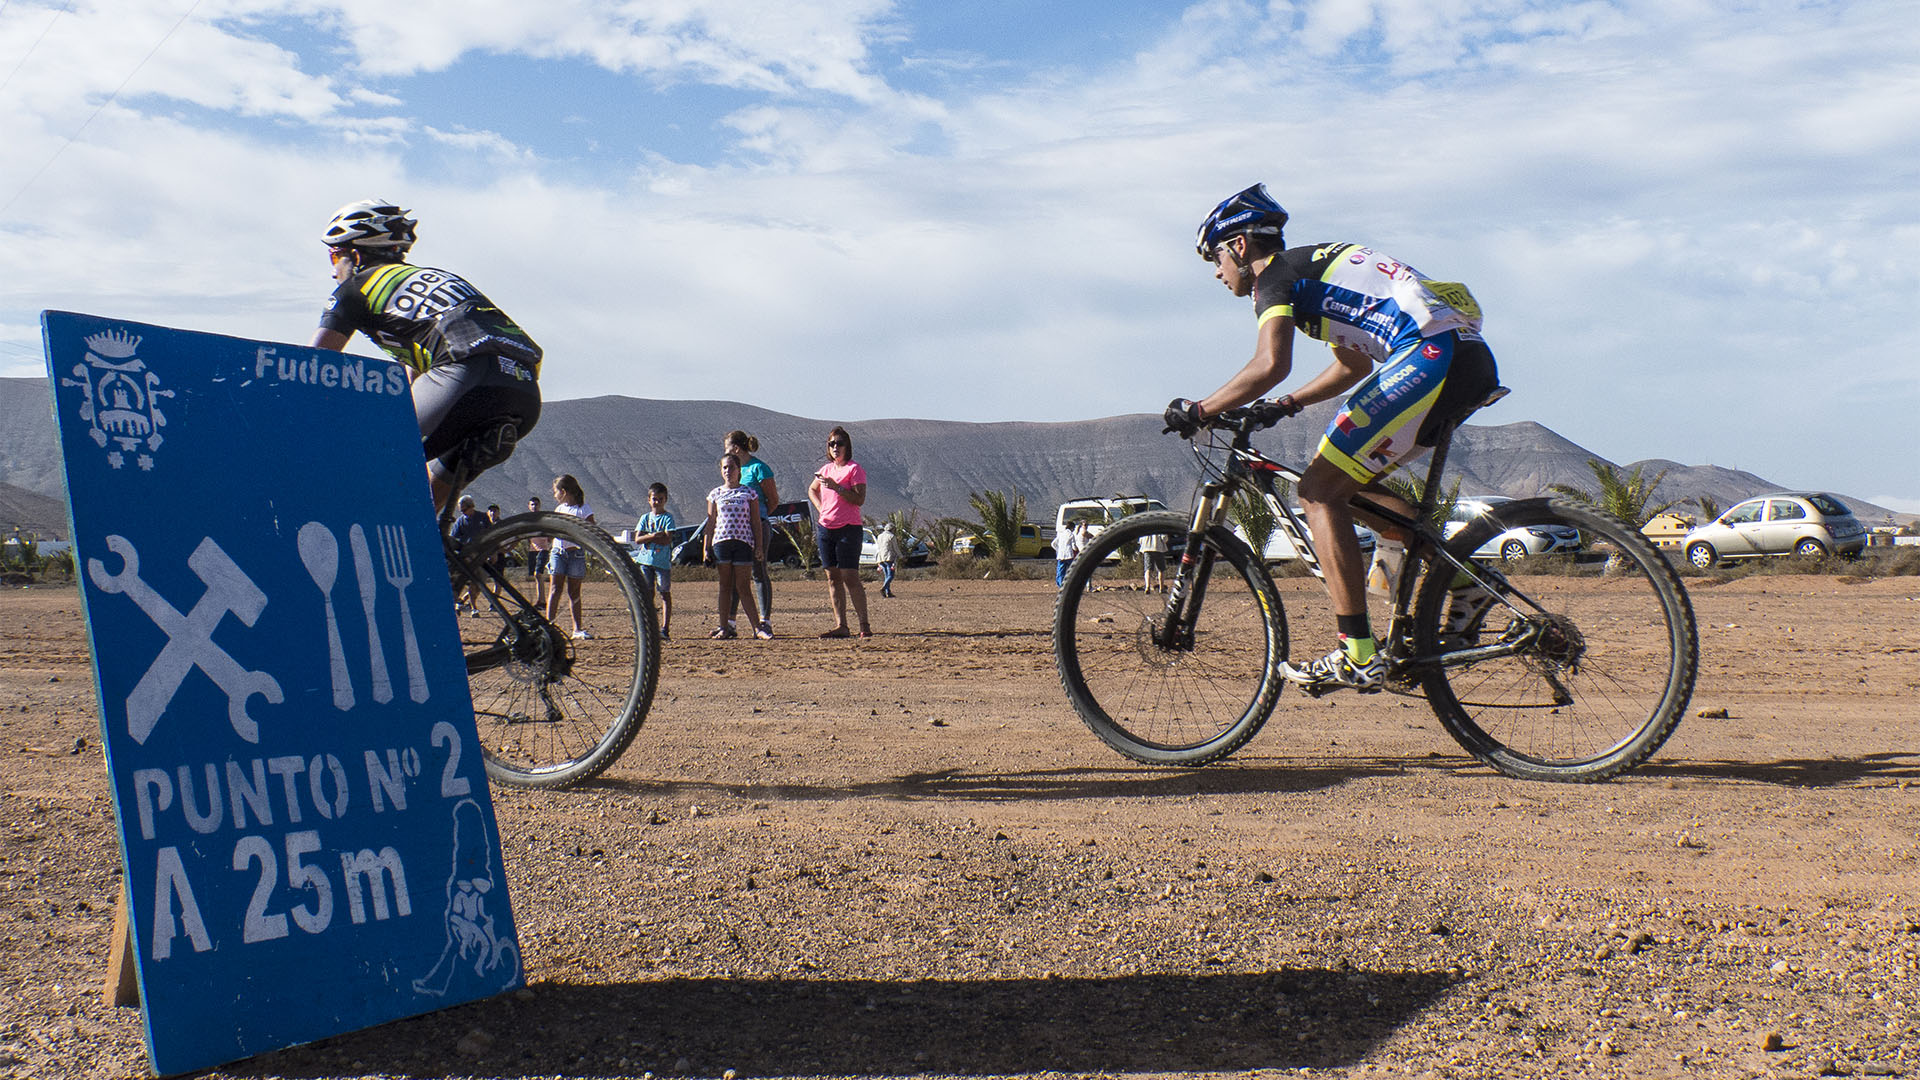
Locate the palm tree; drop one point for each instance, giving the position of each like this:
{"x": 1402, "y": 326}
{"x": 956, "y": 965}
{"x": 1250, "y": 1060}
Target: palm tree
{"x": 1001, "y": 515}
{"x": 905, "y": 523}
{"x": 941, "y": 534}
{"x": 1628, "y": 496}
{"x": 805, "y": 543}
{"x": 1255, "y": 518}
{"x": 1709, "y": 507}
{"x": 1413, "y": 491}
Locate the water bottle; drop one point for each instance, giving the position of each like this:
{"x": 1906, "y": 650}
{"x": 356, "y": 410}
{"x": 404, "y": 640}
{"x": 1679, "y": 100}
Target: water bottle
{"x": 1387, "y": 556}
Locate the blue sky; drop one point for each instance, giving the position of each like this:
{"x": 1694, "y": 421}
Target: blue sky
{"x": 1691, "y": 223}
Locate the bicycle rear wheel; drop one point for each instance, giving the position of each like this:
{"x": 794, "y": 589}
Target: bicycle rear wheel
{"x": 1169, "y": 698}
{"x": 1610, "y": 655}
{"x": 553, "y": 709}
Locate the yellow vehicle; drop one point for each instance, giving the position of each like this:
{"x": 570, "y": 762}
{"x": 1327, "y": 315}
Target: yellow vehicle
{"x": 1034, "y": 542}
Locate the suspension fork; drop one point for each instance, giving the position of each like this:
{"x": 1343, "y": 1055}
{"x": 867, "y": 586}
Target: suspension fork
{"x": 1196, "y": 567}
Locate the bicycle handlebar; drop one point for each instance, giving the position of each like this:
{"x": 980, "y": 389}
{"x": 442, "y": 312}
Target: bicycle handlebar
{"x": 1254, "y": 416}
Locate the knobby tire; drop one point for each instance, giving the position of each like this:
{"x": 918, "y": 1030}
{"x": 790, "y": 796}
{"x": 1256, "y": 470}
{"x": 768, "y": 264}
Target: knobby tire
{"x": 552, "y": 711}
{"x": 1612, "y": 673}
{"x": 1161, "y": 705}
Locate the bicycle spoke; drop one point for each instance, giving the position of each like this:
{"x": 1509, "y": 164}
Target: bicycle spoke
{"x": 1164, "y": 705}
{"x": 1604, "y": 676}
{"x": 553, "y": 709}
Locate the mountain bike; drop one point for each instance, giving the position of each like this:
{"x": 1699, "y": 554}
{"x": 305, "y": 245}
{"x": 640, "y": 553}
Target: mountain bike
{"x": 551, "y": 709}
{"x": 1568, "y": 668}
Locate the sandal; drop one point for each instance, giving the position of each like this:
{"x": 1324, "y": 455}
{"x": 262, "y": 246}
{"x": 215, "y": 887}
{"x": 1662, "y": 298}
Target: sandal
{"x": 837, "y": 632}
{"x": 722, "y": 633}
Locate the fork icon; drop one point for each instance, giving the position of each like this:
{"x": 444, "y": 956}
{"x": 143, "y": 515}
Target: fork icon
{"x": 399, "y": 570}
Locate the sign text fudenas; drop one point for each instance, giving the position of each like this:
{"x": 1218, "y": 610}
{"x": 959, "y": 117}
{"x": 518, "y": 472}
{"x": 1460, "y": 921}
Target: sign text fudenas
{"x": 307, "y": 838}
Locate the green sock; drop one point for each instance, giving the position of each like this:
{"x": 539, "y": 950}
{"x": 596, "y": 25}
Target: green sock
{"x": 1359, "y": 650}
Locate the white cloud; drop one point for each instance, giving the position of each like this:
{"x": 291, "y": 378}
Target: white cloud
{"x": 1692, "y": 214}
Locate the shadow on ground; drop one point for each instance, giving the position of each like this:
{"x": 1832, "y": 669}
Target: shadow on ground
{"x": 1235, "y": 779}
{"x": 1142, "y": 1023}
{"x": 1059, "y": 784}
{"x": 1799, "y": 772}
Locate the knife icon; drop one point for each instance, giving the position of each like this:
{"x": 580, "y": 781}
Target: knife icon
{"x": 369, "y": 586}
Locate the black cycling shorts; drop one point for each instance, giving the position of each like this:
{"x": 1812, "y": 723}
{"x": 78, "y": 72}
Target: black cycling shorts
{"x": 453, "y": 401}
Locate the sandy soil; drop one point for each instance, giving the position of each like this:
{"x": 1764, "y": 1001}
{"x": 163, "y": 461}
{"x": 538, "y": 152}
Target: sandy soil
{"x": 907, "y": 857}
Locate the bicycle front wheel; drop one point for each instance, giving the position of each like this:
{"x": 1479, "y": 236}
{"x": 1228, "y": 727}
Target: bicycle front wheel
{"x": 555, "y": 707}
{"x": 1166, "y": 690}
{"x": 1606, "y": 648}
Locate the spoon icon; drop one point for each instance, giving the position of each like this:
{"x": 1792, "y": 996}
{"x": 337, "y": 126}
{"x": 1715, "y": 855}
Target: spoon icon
{"x": 321, "y": 554}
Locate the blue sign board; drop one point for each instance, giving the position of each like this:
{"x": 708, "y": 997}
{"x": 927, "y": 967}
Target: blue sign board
{"x": 307, "y": 837}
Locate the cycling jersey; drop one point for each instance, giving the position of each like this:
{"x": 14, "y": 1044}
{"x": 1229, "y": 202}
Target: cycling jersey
{"x": 1354, "y": 297}
{"x": 425, "y": 317}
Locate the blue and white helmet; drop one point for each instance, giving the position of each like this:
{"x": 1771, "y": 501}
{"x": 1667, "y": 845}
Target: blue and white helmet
{"x": 1249, "y": 213}
{"x": 372, "y": 224}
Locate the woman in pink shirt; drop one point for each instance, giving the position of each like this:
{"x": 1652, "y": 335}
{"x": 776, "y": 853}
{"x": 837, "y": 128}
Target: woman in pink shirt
{"x": 838, "y": 490}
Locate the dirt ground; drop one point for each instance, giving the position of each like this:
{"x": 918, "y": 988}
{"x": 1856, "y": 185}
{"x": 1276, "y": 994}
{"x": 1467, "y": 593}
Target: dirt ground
{"x": 906, "y": 857}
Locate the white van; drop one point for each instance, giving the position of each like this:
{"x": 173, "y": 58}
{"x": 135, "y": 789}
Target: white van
{"x": 1099, "y": 513}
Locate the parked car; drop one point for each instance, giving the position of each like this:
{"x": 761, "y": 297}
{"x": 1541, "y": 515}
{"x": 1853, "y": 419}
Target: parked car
{"x": 1784, "y": 523}
{"x": 914, "y": 551}
{"x": 1280, "y": 546}
{"x": 1034, "y": 542}
{"x": 686, "y": 545}
{"x": 1514, "y": 543}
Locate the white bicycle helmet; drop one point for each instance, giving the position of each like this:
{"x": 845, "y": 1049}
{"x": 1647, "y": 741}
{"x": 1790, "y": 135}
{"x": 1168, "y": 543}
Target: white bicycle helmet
{"x": 373, "y": 225}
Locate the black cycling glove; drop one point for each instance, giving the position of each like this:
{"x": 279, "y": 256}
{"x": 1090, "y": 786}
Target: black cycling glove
{"x": 1269, "y": 413}
{"x": 1182, "y": 416}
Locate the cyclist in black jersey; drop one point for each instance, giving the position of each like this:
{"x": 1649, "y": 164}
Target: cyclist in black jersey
{"x": 470, "y": 365}
{"x": 1434, "y": 370}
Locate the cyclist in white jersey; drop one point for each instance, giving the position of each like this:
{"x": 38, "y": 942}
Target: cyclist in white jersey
{"x": 1433, "y": 370}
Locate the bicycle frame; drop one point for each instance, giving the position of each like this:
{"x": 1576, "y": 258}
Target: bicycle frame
{"x": 1246, "y": 467}
{"x": 495, "y": 585}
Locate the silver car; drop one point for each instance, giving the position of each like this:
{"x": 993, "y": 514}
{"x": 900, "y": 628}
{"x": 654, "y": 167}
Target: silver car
{"x": 1806, "y": 523}
{"x": 1514, "y": 543}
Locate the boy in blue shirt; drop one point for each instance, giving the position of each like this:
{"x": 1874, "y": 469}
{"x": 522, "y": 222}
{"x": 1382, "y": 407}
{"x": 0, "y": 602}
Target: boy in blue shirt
{"x": 654, "y": 535}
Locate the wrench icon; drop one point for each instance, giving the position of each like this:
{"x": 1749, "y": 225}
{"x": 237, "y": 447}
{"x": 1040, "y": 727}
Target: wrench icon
{"x": 190, "y": 636}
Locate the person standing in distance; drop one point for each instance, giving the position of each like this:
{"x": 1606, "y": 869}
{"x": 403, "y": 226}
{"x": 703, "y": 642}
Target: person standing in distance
{"x": 537, "y": 549}
{"x": 471, "y": 366}
{"x": 838, "y": 490}
{"x": 1153, "y": 562}
{"x": 567, "y": 563}
{"x": 735, "y": 534}
{"x": 1434, "y": 369}
{"x": 653, "y": 534}
{"x": 1066, "y": 545}
{"x": 755, "y": 474}
{"x": 887, "y": 545}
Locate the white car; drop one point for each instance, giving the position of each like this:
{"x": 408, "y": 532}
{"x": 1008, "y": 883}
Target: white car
{"x": 913, "y": 550}
{"x": 1280, "y": 545}
{"x": 1513, "y": 544}
{"x": 1808, "y": 523}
